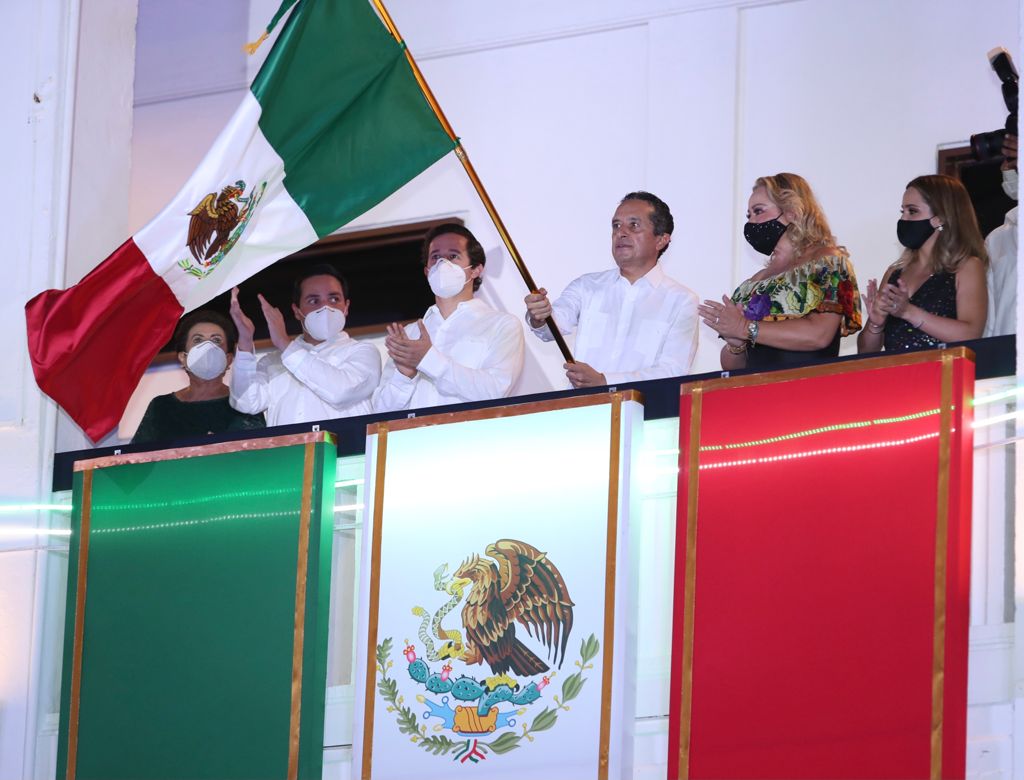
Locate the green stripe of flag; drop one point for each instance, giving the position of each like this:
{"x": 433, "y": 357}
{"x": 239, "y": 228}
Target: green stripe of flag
{"x": 342, "y": 108}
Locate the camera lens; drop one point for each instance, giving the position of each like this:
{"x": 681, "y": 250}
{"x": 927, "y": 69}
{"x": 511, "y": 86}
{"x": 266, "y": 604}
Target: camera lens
{"x": 985, "y": 146}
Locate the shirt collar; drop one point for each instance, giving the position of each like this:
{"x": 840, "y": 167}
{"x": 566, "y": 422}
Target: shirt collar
{"x": 341, "y": 338}
{"x": 652, "y": 278}
{"x": 434, "y": 312}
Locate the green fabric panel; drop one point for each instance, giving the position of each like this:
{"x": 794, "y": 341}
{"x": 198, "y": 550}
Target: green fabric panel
{"x": 190, "y": 604}
{"x": 343, "y": 110}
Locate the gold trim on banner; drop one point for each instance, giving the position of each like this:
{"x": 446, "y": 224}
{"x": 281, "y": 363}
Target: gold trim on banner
{"x": 941, "y": 553}
{"x": 830, "y": 369}
{"x": 571, "y": 402}
{"x": 696, "y": 394}
{"x": 611, "y": 551}
{"x": 178, "y": 453}
{"x": 76, "y": 653}
{"x": 299, "y": 628}
{"x": 372, "y": 616}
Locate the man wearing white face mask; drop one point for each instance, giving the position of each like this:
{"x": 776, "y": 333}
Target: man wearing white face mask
{"x": 322, "y": 374}
{"x": 1001, "y": 245}
{"x": 462, "y": 350}
{"x": 204, "y": 341}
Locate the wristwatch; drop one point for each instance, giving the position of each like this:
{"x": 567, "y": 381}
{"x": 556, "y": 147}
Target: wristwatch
{"x": 752, "y": 327}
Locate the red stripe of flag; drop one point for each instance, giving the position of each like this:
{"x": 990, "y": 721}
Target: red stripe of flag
{"x": 90, "y": 344}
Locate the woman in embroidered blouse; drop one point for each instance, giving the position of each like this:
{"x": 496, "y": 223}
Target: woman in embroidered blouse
{"x": 936, "y": 291}
{"x": 798, "y": 306}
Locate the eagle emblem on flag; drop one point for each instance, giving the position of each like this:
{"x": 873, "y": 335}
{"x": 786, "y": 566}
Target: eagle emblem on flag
{"x": 216, "y": 224}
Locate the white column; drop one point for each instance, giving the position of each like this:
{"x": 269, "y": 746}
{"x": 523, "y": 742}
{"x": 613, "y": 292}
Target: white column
{"x": 66, "y": 72}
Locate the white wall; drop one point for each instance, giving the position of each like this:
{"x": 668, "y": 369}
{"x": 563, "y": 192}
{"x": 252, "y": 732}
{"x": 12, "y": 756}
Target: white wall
{"x": 562, "y": 106}
{"x": 565, "y": 107}
{"x": 60, "y": 117}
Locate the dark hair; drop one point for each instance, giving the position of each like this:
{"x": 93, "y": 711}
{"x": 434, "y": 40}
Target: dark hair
{"x": 190, "y": 320}
{"x": 476, "y": 253}
{"x": 320, "y": 269}
{"x": 661, "y": 217}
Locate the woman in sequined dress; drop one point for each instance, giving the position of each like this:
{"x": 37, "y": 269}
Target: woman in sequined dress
{"x": 935, "y": 292}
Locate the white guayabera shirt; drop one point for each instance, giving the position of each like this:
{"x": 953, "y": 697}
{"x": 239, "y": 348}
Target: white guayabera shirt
{"x": 307, "y": 382}
{"x": 629, "y": 332}
{"x": 475, "y": 355}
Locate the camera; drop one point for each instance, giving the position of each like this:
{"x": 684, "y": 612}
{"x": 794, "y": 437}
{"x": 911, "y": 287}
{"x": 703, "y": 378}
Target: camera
{"x": 987, "y": 146}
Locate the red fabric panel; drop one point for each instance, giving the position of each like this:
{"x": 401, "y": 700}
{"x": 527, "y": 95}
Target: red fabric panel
{"x": 815, "y": 576}
{"x": 90, "y": 344}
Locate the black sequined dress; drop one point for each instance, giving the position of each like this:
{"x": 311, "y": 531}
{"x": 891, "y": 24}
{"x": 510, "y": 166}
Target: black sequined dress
{"x": 936, "y": 296}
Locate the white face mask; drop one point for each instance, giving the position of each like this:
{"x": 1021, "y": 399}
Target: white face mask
{"x": 1010, "y": 183}
{"x": 446, "y": 279}
{"x": 324, "y": 324}
{"x": 206, "y": 360}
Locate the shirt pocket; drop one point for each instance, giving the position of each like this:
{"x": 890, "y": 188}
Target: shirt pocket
{"x": 593, "y": 336}
{"x": 470, "y": 352}
{"x": 650, "y": 339}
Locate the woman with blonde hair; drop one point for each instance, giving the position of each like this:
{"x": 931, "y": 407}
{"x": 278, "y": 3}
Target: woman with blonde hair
{"x": 804, "y": 300}
{"x": 935, "y": 292}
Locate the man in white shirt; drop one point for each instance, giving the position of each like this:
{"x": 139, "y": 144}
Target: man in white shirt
{"x": 462, "y": 350}
{"x": 632, "y": 322}
{"x": 1001, "y": 245}
{"x": 320, "y": 375}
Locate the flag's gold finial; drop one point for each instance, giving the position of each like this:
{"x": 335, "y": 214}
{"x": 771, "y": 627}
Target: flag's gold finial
{"x": 250, "y": 48}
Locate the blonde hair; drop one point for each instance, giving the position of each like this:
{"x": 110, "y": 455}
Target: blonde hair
{"x": 960, "y": 236}
{"x": 808, "y": 229}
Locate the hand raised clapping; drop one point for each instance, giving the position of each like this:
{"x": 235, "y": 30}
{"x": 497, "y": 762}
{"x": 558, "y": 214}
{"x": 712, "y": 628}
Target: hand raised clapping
{"x": 725, "y": 318}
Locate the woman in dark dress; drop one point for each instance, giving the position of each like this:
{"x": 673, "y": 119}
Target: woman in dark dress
{"x": 935, "y": 293}
{"x": 205, "y": 341}
{"x": 804, "y": 300}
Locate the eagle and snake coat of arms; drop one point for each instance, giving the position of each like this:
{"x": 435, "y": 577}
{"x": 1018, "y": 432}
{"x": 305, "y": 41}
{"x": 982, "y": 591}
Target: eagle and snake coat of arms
{"x": 216, "y": 224}
{"x": 479, "y": 688}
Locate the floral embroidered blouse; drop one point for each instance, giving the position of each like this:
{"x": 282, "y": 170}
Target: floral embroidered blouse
{"x": 826, "y": 284}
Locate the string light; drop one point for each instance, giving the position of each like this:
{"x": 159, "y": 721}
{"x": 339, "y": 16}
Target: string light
{"x": 824, "y": 451}
{"x": 15, "y": 532}
{"x": 21, "y": 508}
{"x": 204, "y": 521}
{"x": 348, "y": 507}
{"x": 1001, "y": 395}
{"x": 822, "y": 429}
{"x": 194, "y": 500}
{"x": 997, "y": 419}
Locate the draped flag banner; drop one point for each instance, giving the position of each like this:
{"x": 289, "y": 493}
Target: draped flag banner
{"x": 496, "y": 632}
{"x": 334, "y": 122}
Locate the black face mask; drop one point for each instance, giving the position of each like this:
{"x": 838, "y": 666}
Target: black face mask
{"x": 912, "y": 233}
{"x": 763, "y": 236}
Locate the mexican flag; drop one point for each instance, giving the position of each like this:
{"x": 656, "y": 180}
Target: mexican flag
{"x": 333, "y": 123}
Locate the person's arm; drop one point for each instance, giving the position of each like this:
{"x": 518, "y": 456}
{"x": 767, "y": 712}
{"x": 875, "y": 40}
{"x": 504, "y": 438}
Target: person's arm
{"x": 250, "y": 383}
{"x": 872, "y": 335}
{"x": 811, "y": 332}
{"x": 677, "y": 350}
{"x": 801, "y": 334}
{"x": 394, "y": 391}
{"x": 495, "y": 376}
{"x": 565, "y": 311}
{"x": 149, "y": 428}
{"x": 352, "y": 379}
{"x": 971, "y": 307}
{"x": 733, "y": 359}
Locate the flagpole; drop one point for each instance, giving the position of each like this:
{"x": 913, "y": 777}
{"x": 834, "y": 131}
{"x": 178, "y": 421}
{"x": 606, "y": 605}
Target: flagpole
{"x": 478, "y": 185}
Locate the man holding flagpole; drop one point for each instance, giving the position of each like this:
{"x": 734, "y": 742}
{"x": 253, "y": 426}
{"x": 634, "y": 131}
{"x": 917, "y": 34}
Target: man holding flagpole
{"x": 322, "y": 374}
{"x": 633, "y": 322}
